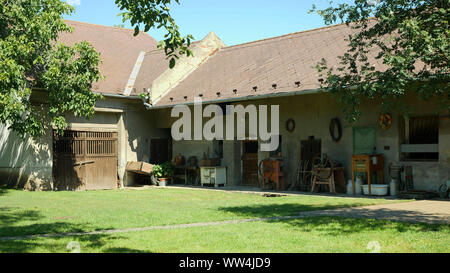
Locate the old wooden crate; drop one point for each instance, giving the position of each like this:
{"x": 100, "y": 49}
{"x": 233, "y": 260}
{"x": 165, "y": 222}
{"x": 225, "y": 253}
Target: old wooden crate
{"x": 139, "y": 167}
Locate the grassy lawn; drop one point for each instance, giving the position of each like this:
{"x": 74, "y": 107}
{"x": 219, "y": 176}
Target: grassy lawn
{"x": 318, "y": 234}
{"x": 27, "y": 213}
{"x": 30, "y": 213}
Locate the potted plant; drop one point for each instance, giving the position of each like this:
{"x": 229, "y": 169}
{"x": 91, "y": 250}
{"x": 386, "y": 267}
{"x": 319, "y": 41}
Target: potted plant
{"x": 163, "y": 173}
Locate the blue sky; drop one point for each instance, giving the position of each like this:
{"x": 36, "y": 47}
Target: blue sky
{"x": 234, "y": 21}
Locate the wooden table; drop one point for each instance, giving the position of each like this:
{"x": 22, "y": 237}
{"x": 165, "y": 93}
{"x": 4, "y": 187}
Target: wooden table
{"x": 365, "y": 164}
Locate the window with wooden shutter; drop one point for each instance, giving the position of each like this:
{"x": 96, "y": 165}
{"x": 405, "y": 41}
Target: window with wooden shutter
{"x": 421, "y": 139}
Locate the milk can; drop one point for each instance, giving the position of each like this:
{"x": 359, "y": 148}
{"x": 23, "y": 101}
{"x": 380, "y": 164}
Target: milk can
{"x": 393, "y": 187}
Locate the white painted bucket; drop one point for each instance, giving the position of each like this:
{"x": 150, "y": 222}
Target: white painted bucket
{"x": 380, "y": 190}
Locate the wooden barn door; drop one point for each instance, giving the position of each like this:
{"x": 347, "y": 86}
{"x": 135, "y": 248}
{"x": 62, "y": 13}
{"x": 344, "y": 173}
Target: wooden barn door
{"x": 85, "y": 160}
{"x": 250, "y": 163}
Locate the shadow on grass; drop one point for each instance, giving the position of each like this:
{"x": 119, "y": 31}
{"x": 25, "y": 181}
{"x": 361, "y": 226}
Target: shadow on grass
{"x": 122, "y": 250}
{"x": 360, "y": 220}
{"x": 17, "y": 224}
{"x": 274, "y": 210}
{"x": 88, "y": 243}
{"x": 338, "y": 226}
{"x": 3, "y": 190}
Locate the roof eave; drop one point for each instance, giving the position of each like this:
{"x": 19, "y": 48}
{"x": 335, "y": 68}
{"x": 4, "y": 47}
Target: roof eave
{"x": 247, "y": 98}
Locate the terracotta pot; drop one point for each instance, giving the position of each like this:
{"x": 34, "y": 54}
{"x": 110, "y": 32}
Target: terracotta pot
{"x": 162, "y": 182}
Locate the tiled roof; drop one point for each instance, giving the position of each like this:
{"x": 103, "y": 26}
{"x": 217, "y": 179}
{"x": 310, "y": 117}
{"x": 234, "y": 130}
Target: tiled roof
{"x": 119, "y": 51}
{"x": 155, "y": 63}
{"x": 271, "y": 66}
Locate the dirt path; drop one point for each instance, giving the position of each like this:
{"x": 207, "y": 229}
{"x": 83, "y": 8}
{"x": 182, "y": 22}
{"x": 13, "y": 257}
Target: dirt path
{"x": 430, "y": 212}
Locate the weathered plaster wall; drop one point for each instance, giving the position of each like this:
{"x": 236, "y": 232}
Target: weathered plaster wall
{"x": 312, "y": 114}
{"x": 140, "y": 129}
{"x": 232, "y": 149}
{"x": 26, "y": 163}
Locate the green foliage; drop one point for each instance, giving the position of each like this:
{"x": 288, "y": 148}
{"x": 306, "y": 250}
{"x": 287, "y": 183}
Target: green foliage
{"x": 164, "y": 170}
{"x": 156, "y": 13}
{"x": 31, "y": 58}
{"x": 409, "y": 38}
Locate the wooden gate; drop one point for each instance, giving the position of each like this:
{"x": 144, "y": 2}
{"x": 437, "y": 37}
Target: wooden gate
{"x": 85, "y": 160}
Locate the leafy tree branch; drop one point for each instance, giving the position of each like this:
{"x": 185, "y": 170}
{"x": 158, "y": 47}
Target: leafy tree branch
{"x": 32, "y": 59}
{"x": 400, "y": 46}
{"x": 156, "y": 14}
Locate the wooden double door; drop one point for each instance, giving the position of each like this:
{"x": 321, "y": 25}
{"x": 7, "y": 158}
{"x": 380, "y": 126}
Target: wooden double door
{"x": 85, "y": 160}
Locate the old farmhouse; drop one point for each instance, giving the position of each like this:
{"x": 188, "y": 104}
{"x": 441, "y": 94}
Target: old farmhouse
{"x": 93, "y": 154}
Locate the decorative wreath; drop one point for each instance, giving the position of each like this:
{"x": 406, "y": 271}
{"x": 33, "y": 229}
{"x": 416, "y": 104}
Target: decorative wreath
{"x": 290, "y": 125}
{"x": 336, "y": 124}
{"x": 385, "y": 121}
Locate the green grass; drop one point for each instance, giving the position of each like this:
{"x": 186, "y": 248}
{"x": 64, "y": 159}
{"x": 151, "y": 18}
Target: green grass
{"x": 28, "y": 213}
{"x": 318, "y": 234}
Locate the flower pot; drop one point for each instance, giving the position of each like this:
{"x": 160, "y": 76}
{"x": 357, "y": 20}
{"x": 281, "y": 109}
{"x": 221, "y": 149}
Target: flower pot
{"x": 162, "y": 182}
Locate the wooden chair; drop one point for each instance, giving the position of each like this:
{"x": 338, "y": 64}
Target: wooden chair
{"x": 324, "y": 176}
{"x": 323, "y": 172}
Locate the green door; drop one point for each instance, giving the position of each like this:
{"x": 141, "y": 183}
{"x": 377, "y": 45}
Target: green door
{"x": 364, "y": 140}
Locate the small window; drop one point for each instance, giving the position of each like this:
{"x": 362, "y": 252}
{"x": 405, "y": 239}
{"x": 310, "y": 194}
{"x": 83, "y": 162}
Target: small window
{"x": 421, "y": 139}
